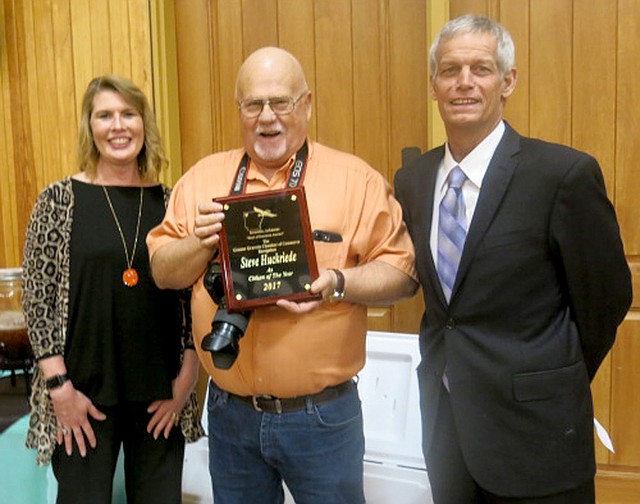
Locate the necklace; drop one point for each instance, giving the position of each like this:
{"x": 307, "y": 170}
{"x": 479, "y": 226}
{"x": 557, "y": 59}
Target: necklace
{"x": 130, "y": 275}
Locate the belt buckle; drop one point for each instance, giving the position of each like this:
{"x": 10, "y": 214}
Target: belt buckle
{"x": 254, "y": 400}
{"x": 276, "y": 401}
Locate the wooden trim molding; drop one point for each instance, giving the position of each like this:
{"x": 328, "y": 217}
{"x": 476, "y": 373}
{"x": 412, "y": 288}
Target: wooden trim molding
{"x": 164, "y": 65}
{"x": 437, "y": 16}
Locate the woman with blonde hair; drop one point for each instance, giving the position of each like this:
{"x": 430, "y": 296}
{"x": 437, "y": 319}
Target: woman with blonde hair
{"x": 116, "y": 363}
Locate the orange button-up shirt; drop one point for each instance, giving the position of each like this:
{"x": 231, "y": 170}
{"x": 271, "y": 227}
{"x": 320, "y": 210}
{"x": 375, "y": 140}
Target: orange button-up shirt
{"x": 281, "y": 353}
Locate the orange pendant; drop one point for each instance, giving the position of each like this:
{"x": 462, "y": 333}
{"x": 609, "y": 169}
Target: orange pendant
{"x": 130, "y": 277}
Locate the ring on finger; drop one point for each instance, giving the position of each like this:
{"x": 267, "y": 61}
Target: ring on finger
{"x": 65, "y": 431}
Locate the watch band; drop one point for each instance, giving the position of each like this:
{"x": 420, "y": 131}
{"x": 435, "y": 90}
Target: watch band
{"x": 56, "y": 381}
{"x": 338, "y": 292}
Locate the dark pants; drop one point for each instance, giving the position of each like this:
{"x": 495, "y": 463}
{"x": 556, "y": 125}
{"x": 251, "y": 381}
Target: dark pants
{"x": 153, "y": 468}
{"x": 451, "y": 482}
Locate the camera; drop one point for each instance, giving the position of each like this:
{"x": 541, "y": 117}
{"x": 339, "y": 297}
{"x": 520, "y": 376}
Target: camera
{"x": 226, "y": 328}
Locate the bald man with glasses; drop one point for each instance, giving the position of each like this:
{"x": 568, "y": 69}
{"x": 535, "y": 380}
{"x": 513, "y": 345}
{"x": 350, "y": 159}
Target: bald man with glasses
{"x": 288, "y": 408}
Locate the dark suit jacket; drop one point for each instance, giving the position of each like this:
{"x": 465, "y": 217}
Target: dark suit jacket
{"x": 542, "y": 286}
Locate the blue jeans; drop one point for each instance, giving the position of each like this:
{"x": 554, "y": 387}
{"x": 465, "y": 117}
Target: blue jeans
{"x": 317, "y": 451}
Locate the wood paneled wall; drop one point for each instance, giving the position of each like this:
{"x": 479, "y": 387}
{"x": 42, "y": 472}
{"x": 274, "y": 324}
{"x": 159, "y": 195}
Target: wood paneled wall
{"x": 49, "y": 51}
{"x": 366, "y": 70}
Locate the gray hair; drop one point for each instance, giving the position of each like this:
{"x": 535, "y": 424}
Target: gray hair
{"x": 471, "y": 23}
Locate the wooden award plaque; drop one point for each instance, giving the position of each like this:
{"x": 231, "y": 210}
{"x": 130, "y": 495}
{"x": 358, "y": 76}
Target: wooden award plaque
{"x": 266, "y": 249}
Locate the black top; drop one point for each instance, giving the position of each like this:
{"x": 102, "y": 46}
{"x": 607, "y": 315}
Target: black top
{"x": 123, "y": 343}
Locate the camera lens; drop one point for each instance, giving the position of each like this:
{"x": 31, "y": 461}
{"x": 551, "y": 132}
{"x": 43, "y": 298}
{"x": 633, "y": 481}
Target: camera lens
{"x": 224, "y": 340}
{"x": 226, "y": 328}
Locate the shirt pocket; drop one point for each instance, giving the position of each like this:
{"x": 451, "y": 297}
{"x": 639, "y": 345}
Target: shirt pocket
{"x": 329, "y": 248}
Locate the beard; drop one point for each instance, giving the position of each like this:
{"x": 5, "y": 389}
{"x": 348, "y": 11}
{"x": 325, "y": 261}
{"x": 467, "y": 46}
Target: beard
{"x": 271, "y": 152}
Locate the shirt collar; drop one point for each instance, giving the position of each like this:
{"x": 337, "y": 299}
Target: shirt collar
{"x": 475, "y": 164}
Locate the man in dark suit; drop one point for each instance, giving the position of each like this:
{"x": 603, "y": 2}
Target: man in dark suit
{"x": 525, "y": 283}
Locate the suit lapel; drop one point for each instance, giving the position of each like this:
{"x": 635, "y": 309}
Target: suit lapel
{"x": 494, "y": 187}
{"x": 426, "y": 182}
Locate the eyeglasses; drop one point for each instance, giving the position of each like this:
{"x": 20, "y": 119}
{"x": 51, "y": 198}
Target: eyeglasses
{"x": 280, "y": 105}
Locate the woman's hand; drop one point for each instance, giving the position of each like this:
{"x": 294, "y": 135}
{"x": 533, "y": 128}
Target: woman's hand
{"x": 73, "y": 409}
{"x": 166, "y": 413}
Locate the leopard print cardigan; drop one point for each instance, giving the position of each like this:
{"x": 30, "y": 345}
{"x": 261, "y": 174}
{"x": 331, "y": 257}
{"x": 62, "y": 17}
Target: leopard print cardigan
{"x": 45, "y": 302}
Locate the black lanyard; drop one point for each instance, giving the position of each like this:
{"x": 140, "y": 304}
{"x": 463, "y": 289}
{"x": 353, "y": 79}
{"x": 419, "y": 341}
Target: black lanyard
{"x": 295, "y": 177}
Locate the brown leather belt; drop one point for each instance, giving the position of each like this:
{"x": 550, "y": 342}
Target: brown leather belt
{"x": 270, "y": 404}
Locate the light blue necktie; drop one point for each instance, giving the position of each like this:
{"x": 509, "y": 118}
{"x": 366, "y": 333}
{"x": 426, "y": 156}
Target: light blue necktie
{"x": 452, "y": 231}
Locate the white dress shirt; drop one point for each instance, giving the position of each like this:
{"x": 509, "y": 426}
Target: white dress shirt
{"x": 474, "y": 165}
